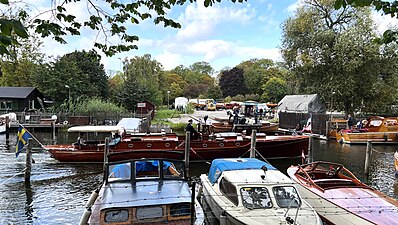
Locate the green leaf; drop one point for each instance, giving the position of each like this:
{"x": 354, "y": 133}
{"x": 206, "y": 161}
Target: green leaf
{"x": 4, "y": 2}
{"x": 6, "y": 27}
{"x": 19, "y": 29}
{"x": 338, "y": 4}
{"x": 3, "y": 50}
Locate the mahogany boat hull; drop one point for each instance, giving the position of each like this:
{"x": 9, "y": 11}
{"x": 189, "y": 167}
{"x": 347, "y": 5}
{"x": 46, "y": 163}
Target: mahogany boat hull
{"x": 353, "y": 203}
{"x": 268, "y": 147}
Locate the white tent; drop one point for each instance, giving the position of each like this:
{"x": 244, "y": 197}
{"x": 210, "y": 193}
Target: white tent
{"x": 180, "y": 102}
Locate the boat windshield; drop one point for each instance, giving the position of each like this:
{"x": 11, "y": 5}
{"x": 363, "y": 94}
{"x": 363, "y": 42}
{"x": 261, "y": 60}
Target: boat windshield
{"x": 255, "y": 198}
{"x": 147, "y": 169}
{"x": 286, "y": 196}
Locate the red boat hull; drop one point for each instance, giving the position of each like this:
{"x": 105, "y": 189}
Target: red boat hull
{"x": 268, "y": 147}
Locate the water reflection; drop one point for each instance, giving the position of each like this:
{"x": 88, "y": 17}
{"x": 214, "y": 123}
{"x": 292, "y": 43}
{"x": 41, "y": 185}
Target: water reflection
{"x": 58, "y": 192}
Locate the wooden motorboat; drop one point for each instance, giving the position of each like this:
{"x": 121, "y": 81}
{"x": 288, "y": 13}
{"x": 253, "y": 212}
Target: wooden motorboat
{"x": 167, "y": 145}
{"x": 266, "y": 127}
{"x": 378, "y": 130}
{"x": 250, "y": 191}
{"x": 340, "y": 198}
{"x": 144, "y": 191}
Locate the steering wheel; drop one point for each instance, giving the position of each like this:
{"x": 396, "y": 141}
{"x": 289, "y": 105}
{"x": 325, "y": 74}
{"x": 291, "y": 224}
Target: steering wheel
{"x": 331, "y": 173}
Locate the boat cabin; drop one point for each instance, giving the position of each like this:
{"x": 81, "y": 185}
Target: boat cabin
{"x": 253, "y": 184}
{"x": 146, "y": 191}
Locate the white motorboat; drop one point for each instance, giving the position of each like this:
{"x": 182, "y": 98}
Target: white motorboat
{"x": 250, "y": 191}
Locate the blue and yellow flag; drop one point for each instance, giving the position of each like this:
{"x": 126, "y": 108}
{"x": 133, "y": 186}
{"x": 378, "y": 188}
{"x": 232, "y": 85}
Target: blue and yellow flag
{"x": 22, "y": 139}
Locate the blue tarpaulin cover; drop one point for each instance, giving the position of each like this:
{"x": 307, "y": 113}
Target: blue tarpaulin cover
{"x": 220, "y": 165}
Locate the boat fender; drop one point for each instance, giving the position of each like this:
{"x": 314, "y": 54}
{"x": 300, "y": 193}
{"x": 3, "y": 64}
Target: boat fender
{"x": 86, "y": 215}
{"x": 341, "y": 141}
{"x": 92, "y": 198}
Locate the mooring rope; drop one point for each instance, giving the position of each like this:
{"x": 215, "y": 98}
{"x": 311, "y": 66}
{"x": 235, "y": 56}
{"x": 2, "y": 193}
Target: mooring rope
{"x": 22, "y": 172}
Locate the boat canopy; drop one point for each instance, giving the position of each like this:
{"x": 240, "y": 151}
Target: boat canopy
{"x": 130, "y": 124}
{"x": 220, "y": 165}
{"x": 98, "y": 129}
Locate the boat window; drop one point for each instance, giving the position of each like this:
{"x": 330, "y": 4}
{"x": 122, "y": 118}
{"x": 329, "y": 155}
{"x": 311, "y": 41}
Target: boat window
{"x": 375, "y": 123}
{"x": 286, "y": 195}
{"x": 122, "y": 171}
{"x": 256, "y": 198}
{"x": 229, "y": 190}
{"x": 180, "y": 210}
{"x": 118, "y": 215}
{"x": 149, "y": 212}
{"x": 173, "y": 169}
{"x": 146, "y": 169}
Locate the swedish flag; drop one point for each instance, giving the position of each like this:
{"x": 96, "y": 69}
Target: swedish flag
{"x": 22, "y": 139}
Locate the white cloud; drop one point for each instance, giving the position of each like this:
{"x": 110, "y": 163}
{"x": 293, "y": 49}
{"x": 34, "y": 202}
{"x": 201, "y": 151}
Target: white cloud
{"x": 384, "y": 22}
{"x": 293, "y": 7}
{"x": 169, "y": 60}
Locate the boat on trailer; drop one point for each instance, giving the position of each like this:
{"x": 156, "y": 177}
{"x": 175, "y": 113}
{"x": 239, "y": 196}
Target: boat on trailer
{"x": 250, "y": 191}
{"x": 341, "y": 198}
{"x": 144, "y": 191}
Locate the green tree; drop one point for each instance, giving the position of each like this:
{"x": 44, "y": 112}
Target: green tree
{"x": 274, "y": 90}
{"x": 80, "y": 71}
{"x": 331, "y": 51}
{"x": 145, "y": 72}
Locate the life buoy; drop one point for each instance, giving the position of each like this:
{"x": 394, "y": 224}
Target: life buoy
{"x": 237, "y": 144}
{"x": 131, "y": 145}
{"x": 65, "y": 122}
{"x": 204, "y": 145}
{"x": 167, "y": 145}
{"x": 221, "y": 144}
{"x": 149, "y": 145}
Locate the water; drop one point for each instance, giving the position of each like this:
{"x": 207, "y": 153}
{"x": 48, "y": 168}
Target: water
{"x": 58, "y": 192}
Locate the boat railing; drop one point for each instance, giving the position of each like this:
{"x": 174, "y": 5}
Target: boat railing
{"x": 288, "y": 218}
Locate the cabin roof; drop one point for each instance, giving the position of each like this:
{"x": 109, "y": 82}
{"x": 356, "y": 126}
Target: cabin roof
{"x": 220, "y": 165}
{"x": 15, "y": 92}
{"x": 145, "y": 193}
{"x": 103, "y": 129}
{"x": 245, "y": 177}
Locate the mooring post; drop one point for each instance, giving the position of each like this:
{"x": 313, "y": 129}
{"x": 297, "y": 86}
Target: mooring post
{"x": 28, "y": 161}
{"x": 187, "y": 151}
{"x": 310, "y": 150}
{"x": 253, "y": 144}
{"x": 7, "y": 129}
{"x": 327, "y": 130}
{"x": 368, "y": 157}
{"x": 53, "y": 131}
{"x": 106, "y": 151}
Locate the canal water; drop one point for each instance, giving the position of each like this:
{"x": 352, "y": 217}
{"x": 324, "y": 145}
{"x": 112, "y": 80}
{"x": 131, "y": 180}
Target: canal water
{"x": 58, "y": 191}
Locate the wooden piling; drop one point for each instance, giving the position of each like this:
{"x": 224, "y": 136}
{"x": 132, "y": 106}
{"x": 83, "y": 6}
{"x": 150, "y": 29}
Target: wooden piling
{"x": 368, "y": 157}
{"x": 7, "y": 129}
{"x": 106, "y": 151}
{"x": 327, "y": 130}
{"x": 253, "y": 144}
{"x": 310, "y": 150}
{"x": 28, "y": 168}
{"x": 54, "y": 137}
{"x": 187, "y": 151}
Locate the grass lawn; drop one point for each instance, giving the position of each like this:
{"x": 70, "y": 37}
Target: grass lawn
{"x": 162, "y": 115}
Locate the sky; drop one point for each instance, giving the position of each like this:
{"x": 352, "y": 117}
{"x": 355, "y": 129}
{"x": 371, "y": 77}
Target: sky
{"x": 223, "y": 35}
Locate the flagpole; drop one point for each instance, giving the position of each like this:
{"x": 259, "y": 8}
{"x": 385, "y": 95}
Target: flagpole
{"x": 31, "y": 135}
